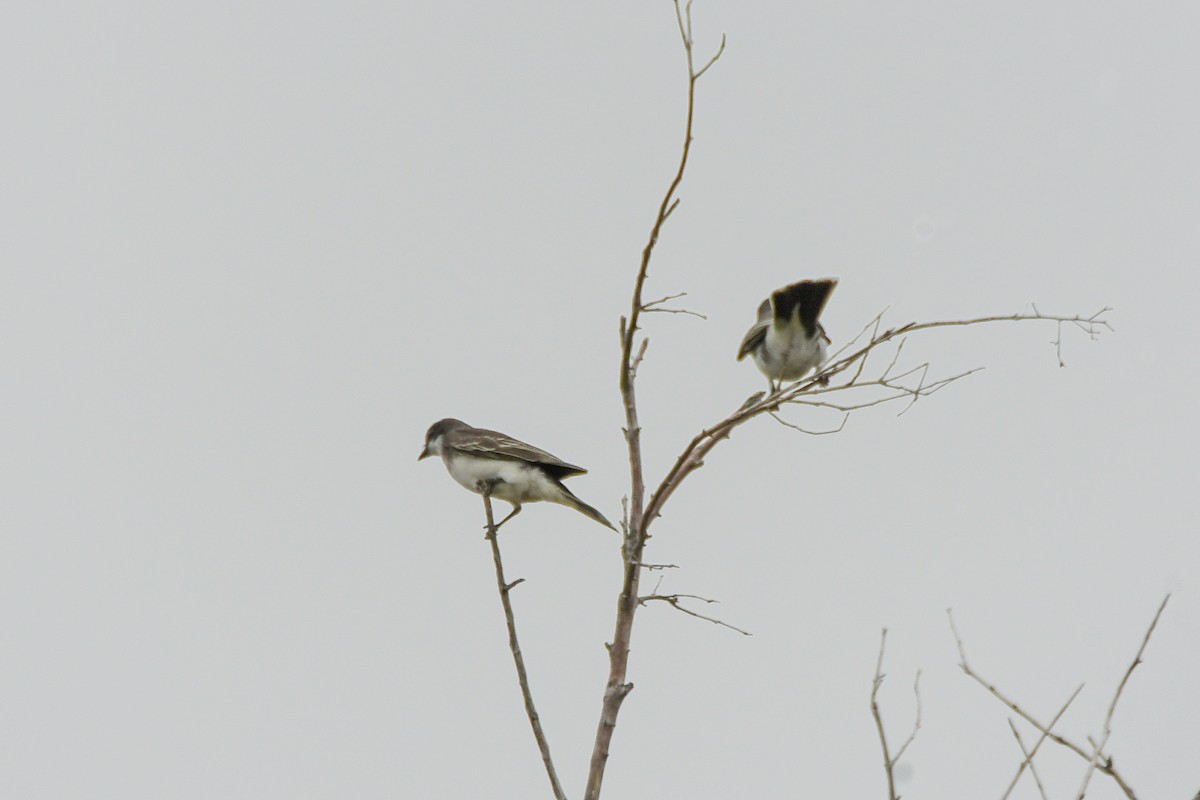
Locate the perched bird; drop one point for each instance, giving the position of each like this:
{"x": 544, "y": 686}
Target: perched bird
{"x": 482, "y": 460}
{"x": 788, "y": 340}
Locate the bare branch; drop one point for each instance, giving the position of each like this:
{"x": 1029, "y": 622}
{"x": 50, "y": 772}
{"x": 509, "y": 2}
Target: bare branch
{"x": 673, "y": 601}
{"x": 1028, "y": 761}
{"x": 915, "y": 394}
{"x": 785, "y": 423}
{"x": 662, "y": 300}
{"x": 872, "y": 325}
{"x": 522, "y": 677}
{"x": 635, "y": 523}
{"x": 1085, "y": 325}
{"x": 1098, "y": 747}
{"x": 670, "y": 210}
{"x": 655, "y": 306}
{"x": 1058, "y": 346}
{"x": 1029, "y": 755}
{"x": 838, "y": 364}
{"x": 1103, "y": 763}
{"x": 893, "y": 384}
{"x": 916, "y": 723}
{"x": 753, "y": 399}
{"x": 712, "y": 60}
{"x": 685, "y": 31}
{"x": 641, "y": 354}
{"x": 892, "y": 364}
{"x": 889, "y": 762}
{"x": 846, "y": 360}
{"x": 849, "y": 361}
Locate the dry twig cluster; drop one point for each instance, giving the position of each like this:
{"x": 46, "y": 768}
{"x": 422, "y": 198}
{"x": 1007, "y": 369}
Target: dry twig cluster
{"x": 1097, "y": 759}
{"x": 1095, "y": 756}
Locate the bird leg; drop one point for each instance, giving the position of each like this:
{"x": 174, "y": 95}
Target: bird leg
{"x": 485, "y": 488}
{"x": 516, "y": 510}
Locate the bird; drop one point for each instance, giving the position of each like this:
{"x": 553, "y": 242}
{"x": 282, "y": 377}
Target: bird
{"x": 488, "y": 462}
{"x": 788, "y": 341}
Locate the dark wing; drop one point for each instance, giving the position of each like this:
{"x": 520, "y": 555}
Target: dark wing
{"x": 755, "y": 336}
{"x": 809, "y": 296}
{"x": 493, "y": 444}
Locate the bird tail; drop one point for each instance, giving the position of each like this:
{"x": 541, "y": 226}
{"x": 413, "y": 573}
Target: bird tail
{"x": 809, "y": 297}
{"x": 571, "y": 501}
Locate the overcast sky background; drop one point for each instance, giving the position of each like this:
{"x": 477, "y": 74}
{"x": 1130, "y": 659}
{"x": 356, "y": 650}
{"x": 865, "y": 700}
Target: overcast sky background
{"x": 252, "y": 250}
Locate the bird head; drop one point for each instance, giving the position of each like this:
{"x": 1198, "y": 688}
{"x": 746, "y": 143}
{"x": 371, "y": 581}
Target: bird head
{"x": 435, "y": 434}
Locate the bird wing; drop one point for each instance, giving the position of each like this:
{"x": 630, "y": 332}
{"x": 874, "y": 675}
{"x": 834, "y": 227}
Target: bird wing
{"x": 755, "y": 336}
{"x": 810, "y": 296}
{"x": 493, "y": 444}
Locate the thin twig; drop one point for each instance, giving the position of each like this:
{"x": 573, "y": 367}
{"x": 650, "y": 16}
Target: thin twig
{"x": 1029, "y": 756}
{"x": 887, "y": 759}
{"x": 712, "y": 60}
{"x": 891, "y": 384}
{"x": 641, "y": 355}
{"x": 522, "y": 677}
{"x": 889, "y": 762}
{"x": 917, "y": 723}
{"x": 872, "y": 325}
{"x": 1102, "y": 763}
{"x": 656, "y": 306}
{"x": 892, "y": 364}
{"x": 673, "y": 601}
{"x": 1112, "y": 707}
{"x": 785, "y": 423}
{"x": 1028, "y": 761}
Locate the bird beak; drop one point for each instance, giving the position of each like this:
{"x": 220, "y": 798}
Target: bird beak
{"x": 426, "y": 453}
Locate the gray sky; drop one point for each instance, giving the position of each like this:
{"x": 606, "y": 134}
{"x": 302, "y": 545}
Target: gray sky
{"x": 251, "y": 251}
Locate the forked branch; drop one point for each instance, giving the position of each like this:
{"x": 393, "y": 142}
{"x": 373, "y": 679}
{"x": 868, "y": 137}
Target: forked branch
{"x": 673, "y": 600}
{"x": 890, "y": 761}
{"x": 1097, "y": 760}
{"x": 656, "y": 306}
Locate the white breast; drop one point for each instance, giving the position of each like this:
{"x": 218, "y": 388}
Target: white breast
{"x": 513, "y": 481}
{"x": 788, "y": 354}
